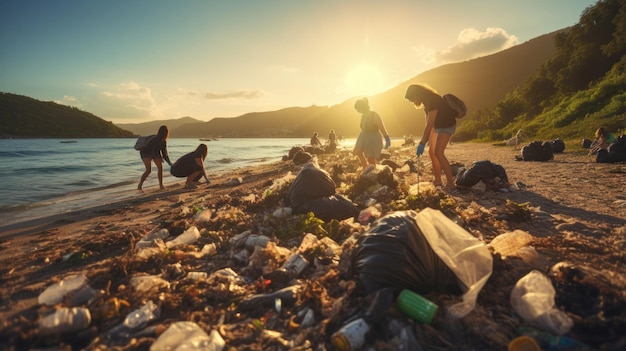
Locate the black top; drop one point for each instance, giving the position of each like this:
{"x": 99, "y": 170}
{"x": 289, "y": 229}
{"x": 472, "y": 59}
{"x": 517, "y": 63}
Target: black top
{"x": 156, "y": 148}
{"x": 444, "y": 118}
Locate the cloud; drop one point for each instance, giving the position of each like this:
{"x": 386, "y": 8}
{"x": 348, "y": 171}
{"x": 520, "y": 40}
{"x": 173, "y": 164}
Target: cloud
{"x": 240, "y": 95}
{"x": 472, "y": 43}
{"x": 127, "y": 100}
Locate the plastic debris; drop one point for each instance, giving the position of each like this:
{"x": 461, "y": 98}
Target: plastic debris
{"x": 532, "y": 298}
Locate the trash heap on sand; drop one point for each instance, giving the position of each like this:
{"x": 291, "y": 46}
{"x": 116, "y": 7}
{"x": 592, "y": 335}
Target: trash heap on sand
{"x": 415, "y": 269}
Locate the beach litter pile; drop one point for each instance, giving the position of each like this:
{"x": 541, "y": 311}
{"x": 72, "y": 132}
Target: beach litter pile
{"x": 414, "y": 270}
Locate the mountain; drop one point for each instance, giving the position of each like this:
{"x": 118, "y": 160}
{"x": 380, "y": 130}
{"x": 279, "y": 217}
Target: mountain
{"x": 151, "y": 127}
{"x": 22, "y": 116}
{"x": 480, "y": 82}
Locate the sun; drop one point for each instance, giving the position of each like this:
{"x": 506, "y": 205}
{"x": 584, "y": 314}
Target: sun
{"x": 364, "y": 79}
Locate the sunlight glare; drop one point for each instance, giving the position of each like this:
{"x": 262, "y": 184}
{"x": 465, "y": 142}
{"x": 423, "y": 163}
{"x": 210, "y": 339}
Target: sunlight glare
{"x": 364, "y": 79}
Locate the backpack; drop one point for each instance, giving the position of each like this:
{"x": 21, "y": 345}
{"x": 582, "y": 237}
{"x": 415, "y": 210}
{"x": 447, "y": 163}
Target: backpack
{"x": 457, "y": 106}
{"x": 143, "y": 141}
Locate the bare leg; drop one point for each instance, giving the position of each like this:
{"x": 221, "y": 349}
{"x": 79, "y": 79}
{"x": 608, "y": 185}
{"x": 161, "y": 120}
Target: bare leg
{"x": 191, "y": 179}
{"x": 433, "y": 157}
{"x": 440, "y": 147}
{"x": 159, "y": 163}
{"x": 147, "y": 163}
{"x": 361, "y": 156}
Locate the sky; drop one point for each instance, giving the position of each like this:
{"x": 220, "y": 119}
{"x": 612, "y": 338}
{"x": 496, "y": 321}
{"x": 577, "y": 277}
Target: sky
{"x": 133, "y": 61}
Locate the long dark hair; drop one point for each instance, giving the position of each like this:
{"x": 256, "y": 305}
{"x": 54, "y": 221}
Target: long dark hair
{"x": 163, "y": 132}
{"x": 417, "y": 93}
{"x": 202, "y": 150}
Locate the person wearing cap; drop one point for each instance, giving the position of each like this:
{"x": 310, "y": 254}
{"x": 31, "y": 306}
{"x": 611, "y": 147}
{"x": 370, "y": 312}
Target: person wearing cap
{"x": 369, "y": 142}
{"x": 440, "y": 126}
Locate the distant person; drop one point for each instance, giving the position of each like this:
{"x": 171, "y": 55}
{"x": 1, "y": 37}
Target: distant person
{"x": 155, "y": 151}
{"x": 369, "y": 143}
{"x": 191, "y": 166}
{"x": 331, "y": 142}
{"x": 332, "y": 137}
{"x": 602, "y": 141}
{"x": 315, "y": 140}
{"x": 440, "y": 126}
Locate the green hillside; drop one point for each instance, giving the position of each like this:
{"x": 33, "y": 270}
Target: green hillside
{"x": 564, "y": 84}
{"x": 580, "y": 88}
{"x": 24, "y": 117}
{"x": 482, "y": 83}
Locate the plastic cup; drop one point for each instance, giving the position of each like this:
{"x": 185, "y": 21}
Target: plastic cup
{"x": 416, "y": 306}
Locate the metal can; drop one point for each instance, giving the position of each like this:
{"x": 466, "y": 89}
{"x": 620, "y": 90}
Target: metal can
{"x": 351, "y": 336}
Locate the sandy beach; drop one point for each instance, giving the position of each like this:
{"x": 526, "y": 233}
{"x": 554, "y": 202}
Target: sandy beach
{"x": 577, "y": 214}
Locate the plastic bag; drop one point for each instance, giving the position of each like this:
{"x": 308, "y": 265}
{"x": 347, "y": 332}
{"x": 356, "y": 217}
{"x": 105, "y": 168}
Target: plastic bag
{"x": 423, "y": 252}
{"x": 395, "y": 253}
{"x": 468, "y": 257}
{"x": 532, "y": 298}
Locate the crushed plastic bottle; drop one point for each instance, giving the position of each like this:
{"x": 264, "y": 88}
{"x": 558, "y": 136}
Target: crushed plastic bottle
{"x": 145, "y": 283}
{"x": 286, "y": 296}
{"x": 74, "y": 286}
{"x": 292, "y": 268}
{"x": 190, "y": 236}
{"x": 148, "y": 240}
{"x": 65, "y": 320}
{"x": 140, "y": 317}
{"x": 188, "y": 336}
{"x": 203, "y": 217}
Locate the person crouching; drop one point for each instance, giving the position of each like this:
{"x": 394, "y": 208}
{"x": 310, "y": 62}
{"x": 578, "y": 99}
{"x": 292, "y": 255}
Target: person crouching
{"x": 191, "y": 166}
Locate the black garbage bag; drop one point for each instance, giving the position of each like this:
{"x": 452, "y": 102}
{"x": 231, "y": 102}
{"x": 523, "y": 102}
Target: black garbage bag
{"x": 558, "y": 146}
{"x": 395, "y": 253}
{"x": 537, "y": 151}
{"x": 617, "y": 150}
{"x": 313, "y": 190}
{"x": 492, "y": 174}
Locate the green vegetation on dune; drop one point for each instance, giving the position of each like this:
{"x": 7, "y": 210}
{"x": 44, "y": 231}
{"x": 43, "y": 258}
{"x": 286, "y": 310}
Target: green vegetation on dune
{"x": 582, "y": 87}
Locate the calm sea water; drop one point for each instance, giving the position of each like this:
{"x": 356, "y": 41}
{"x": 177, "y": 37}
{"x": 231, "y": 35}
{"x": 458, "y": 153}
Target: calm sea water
{"x": 46, "y": 176}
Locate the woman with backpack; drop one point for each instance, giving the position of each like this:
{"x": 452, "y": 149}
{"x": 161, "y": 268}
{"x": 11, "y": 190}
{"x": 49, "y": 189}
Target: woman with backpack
{"x": 155, "y": 151}
{"x": 440, "y": 126}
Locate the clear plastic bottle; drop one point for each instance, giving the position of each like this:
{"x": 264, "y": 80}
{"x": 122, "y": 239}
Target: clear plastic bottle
{"x": 65, "y": 320}
{"x": 140, "y": 317}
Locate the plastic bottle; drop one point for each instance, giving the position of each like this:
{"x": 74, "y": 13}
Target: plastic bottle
{"x": 65, "y": 320}
{"x": 140, "y": 317}
{"x": 190, "y": 236}
{"x": 416, "y": 306}
{"x": 73, "y": 284}
{"x": 286, "y": 295}
{"x": 351, "y": 336}
{"x": 294, "y": 265}
{"x": 188, "y": 336}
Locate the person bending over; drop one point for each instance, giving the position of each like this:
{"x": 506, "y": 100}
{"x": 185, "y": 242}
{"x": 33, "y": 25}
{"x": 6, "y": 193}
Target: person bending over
{"x": 191, "y": 166}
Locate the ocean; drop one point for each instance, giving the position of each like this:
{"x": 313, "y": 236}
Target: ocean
{"x": 41, "y": 177}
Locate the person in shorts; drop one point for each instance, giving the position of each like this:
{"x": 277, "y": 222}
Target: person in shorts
{"x": 440, "y": 126}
